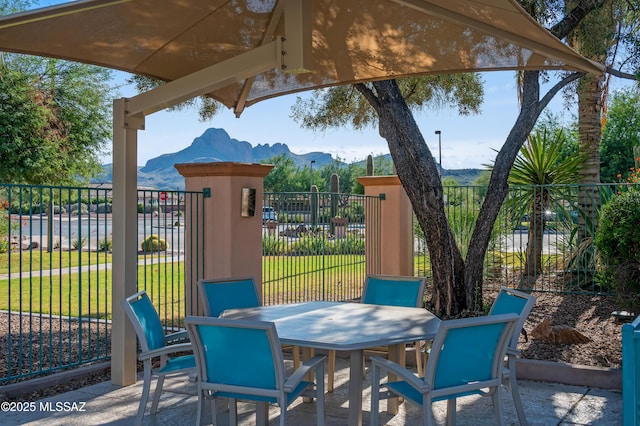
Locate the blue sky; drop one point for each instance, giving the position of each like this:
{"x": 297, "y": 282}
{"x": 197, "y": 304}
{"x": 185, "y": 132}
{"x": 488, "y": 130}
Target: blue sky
{"x": 467, "y": 142}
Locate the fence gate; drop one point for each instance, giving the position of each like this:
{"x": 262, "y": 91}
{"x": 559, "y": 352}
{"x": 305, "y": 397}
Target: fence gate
{"x": 314, "y": 245}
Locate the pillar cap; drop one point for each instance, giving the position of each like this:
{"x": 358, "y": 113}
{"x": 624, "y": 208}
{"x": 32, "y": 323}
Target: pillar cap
{"x": 379, "y": 180}
{"x": 223, "y": 168}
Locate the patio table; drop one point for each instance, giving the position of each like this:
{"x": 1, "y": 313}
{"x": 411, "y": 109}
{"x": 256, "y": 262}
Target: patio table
{"x": 351, "y": 327}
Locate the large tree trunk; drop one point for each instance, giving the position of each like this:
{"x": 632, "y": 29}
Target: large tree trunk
{"x": 418, "y": 173}
{"x": 498, "y": 187}
{"x": 457, "y": 283}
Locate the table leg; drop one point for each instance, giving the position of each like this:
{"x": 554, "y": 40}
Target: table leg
{"x": 396, "y": 354}
{"x": 355, "y": 387}
{"x": 307, "y": 354}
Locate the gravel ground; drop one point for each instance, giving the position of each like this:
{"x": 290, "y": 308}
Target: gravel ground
{"x": 588, "y": 314}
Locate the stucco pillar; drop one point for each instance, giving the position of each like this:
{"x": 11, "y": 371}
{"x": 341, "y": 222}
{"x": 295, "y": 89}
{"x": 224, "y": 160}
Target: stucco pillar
{"x": 393, "y": 250}
{"x": 231, "y": 241}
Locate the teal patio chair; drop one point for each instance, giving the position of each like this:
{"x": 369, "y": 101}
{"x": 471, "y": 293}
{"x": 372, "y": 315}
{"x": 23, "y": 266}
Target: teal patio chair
{"x": 453, "y": 370}
{"x": 513, "y": 301}
{"x": 393, "y": 290}
{"x": 154, "y": 345}
{"x": 218, "y": 295}
{"x": 255, "y": 375}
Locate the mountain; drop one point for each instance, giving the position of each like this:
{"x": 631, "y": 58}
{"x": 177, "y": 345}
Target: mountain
{"x": 216, "y": 145}
{"x": 212, "y": 146}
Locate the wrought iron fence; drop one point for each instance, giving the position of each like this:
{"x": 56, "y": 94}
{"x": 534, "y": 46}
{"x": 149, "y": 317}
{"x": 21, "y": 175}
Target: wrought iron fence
{"x": 55, "y": 271}
{"x": 549, "y": 248}
{"x": 314, "y": 245}
{"x": 55, "y": 294}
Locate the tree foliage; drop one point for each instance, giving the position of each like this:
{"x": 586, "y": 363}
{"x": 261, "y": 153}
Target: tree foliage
{"x": 54, "y": 120}
{"x": 620, "y": 135}
{"x": 207, "y": 107}
{"x": 345, "y": 106}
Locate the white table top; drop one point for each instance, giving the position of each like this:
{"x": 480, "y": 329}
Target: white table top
{"x": 343, "y": 326}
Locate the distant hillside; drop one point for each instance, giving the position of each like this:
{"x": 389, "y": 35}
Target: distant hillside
{"x": 212, "y": 146}
{"x": 216, "y": 145}
{"x": 464, "y": 177}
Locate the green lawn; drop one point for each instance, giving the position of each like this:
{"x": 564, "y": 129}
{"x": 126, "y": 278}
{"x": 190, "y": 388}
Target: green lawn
{"x": 285, "y": 278}
{"x": 33, "y": 260}
{"x": 88, "y": 294}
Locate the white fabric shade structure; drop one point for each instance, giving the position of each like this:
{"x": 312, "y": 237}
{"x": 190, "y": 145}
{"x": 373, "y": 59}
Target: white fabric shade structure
{"x": 243, "y": 51}
{"x": 241, "y": 47}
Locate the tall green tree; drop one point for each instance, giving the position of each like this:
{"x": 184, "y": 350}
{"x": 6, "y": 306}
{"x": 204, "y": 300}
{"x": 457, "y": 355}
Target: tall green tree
{"x": 55, "y": 120}
{"x": 620, "y": 135}
{"x": 283, "y": 176}
{"x": 457, "y": 280}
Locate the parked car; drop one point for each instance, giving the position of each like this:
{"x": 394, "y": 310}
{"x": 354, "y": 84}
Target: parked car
{"x": 269, "y": 214}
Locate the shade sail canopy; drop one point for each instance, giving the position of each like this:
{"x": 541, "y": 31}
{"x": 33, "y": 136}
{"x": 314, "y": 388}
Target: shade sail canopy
{"x": 340, "y": 41}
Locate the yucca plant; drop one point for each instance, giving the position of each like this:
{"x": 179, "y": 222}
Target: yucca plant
{"x": 539, "y": 165}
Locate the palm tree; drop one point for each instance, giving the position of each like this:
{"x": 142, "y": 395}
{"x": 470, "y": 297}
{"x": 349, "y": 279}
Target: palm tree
{"x": 540, "y": 165}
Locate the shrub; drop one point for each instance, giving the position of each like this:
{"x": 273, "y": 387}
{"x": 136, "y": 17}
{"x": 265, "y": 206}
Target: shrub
{"x": 273, "y": 245}
{"x": 79, "y": 244}
{"x": 154, "y": 243}
{"x": 105, "y": 245}
{"x": 618, "y": 241}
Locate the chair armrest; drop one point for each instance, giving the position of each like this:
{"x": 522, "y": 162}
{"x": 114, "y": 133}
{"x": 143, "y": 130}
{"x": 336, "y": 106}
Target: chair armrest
{"x": 178, "y": 336}
{"x": 513, "y": 352}
{"x": 307, "y": 367}
{"x": 400, "y": 371}
{"x": 182, "y": 347}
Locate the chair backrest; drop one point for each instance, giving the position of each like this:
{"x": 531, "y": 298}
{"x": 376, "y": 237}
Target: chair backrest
{"x": 222, "y": 357}
{"x": 145, "y": 320}
{"x": 218, "y": 295}
{"x": 393, "y": 290}
{"x": 516, "y": 302}
{"x": 468, "y": 353}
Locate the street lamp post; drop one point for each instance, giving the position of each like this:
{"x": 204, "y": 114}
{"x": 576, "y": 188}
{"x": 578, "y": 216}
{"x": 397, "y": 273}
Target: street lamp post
{"x": 439, "y": 133}
{"x": 311, "y": 174}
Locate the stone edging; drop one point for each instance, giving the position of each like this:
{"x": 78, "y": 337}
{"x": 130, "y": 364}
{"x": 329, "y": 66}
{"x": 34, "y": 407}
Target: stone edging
{"x": 569, "y": 374}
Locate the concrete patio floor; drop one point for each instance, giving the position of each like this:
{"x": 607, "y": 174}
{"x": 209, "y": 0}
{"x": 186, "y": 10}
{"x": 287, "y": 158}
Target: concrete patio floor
{"x": 105, "y": 404}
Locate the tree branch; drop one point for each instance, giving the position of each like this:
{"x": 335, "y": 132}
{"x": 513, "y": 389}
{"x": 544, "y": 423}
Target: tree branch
{"x": 571, "y": 20}
{"x": 542, "y": 103}
{"x": 622, "y": 74}
{"x": 369, "y": 95}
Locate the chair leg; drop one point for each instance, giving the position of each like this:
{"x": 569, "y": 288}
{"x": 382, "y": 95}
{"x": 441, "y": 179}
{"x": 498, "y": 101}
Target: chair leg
{"x": 262, "y": 413}
{"x": 156, "y": 394}
{"x": 331, "y": 370}
{"x": 283, "y": 413}
{"x": 497, "y": 406}
{"x": 233, "y": 412}
{"x": 201, "y": 402}
{"x": 418, "y": 349}
{"x": 451, "y": 412}
{"x": 427, "y": 411}
{"x": 320, "y": 395}
{"x": 146, "y": 386}
{"x": 515, "y": 394}
{"x": 375, "y": 397}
